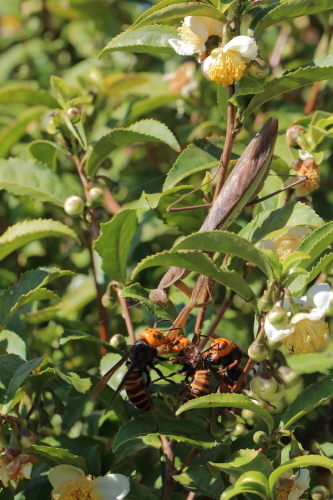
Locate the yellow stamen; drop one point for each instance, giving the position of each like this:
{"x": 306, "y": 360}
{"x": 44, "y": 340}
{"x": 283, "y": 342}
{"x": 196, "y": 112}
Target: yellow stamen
{"x": 76, "y": 489}
{"x": 308, "y": 336}
{"x": 313, "y": 175}
{"x": 282, "y": 494}
{"x": 286, "y": 246}
{"x": 189, "y": 37}
{"x": 227, "y": 69}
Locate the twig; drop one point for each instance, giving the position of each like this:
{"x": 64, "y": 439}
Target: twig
{"x": 126, "y": 316}
{"x": 169, "y": 449}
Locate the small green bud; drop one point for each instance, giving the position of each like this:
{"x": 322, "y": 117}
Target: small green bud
{"x": 73, "y": 114}
{"x": 258, "y": 69}
{"x": 45, "y": 428}
{"x": 294, "y": 134}
{"x": 241, "y": 303}
{"x": 96, "y": 195}
{"x": 260, "y": 437}
{"x": 278, "y": 317}
{"x": 229, "y": 420}
{"x": 278, "y": 394}
{"x": 239, "y": 430}
{"x": 320, "y": 493}
{"x": 51, "y": 127}
{"x": 257, "y": 351}
{"x": 26, "y": 438}
{"x": 289, "y": 376}
{"x": 74, "y": 205}
{"x": 263, "y": 385}
{"x": 250, "y": 417}
{"x": 118, "y": 341}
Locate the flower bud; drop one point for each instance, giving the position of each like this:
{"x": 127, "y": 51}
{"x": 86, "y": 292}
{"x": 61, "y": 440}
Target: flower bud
{"x": 118, "y": 341}
{"x": 229, "y": 420}
{"x": 293, "y": 135}
{"x": 289, "y": 376}
{"x": 74, "y": 205}
{"x": 239, "y": 430}
{"x": 263, "y": 385}
{"x": 278, "y": 394}
{"x": 45, "y": 428}
{"x": 73, "y": 114}
{"x": 257, "y": 351}
{"x": 51, "y": 127}
{"x": 26, "y": 438}
{"x": 250, "y": 417}
{"x": 260, "y": 437}
{"x": 241, "y": 303}
{"x": 320, "y": 493}
{"x": 258, "y": 69}
{"x": 96, "y": 195}
{"x": 278, "y": 317}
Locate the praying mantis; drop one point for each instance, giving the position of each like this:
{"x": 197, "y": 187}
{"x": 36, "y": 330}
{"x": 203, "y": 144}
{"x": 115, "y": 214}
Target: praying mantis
{"x": 242, "y": 185}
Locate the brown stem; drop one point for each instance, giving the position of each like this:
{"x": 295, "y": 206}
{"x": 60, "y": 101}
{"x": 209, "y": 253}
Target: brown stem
{"x": 193, "y": 453}
{"x": 308, "y": 108}
{"x": 169, "y": 449}
{"x": 110, "y": 203}
{"x": 229, "y": 140}
{"x": 191, "y": 495}
{"x": 126, "y": 316}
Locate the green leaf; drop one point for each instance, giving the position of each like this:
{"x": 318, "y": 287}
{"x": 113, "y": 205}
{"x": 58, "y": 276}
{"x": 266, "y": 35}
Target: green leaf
{"x": 14, "y": 370}
{"x": 246, "y": 86}
{"x": 137, "y": 291}
{"x": 14, "y": 297}
{"x": 183, "y": 431}
{"x": 150, "y": 39}
{"x": 154, "y": 8}
{"x": 275, "y": 223}
{"x": 175, "y": 10}
{"x": 10, "y": 135}
{"x": 317, "y": 241}
{"x": 226, "y": 400}
{"x": 227, "y": 243}
{"x": 151, "y": 103}
{"x": 52, "y": 455}
{"x": 73, "y": 335}
{"x": 312, "y": 396}
{"x": 199, "y": 263}
{"x": 33, "y": 179}
{"x": 187, "y": 221}
{"x": 46, "y": 152}
{"x": 304, "y": 461}
{"x": 253, "y": 483}
{"x": 77, "y": 129}
{"x": 203, "y": 154}
{"x": 314, "y": 71}
{"x": 244, "y": 461}
{"x": 63, "y": 92}
{"x": 299, "y": 258}
{"x": 114, "y": 243}
{"x": 13, "y": 343}
{"x": 30, "y": 230}
{"x": 73, "y": 379}
{"x": 321, "y": 362}
{"x": 144, "y": 130}
{"x": 320, "y": 264}
{"x": 289, "y": 9}
{"x": 24, "y": 92}
{"x": 200, "y": 481}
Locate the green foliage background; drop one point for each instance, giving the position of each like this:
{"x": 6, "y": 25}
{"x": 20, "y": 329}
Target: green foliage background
{"x": 48, "y": 308}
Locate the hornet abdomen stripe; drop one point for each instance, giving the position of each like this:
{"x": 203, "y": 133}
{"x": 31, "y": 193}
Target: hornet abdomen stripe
{"x": 136, "y": 391}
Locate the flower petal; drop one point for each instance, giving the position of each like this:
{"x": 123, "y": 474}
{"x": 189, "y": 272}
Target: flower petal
{"x": 183, "y": 49}
{"x": 319, "y": 296}
{"x": 112, "y": 486}
{"x": 64, "y": 472}
{"x": 244, "y": 45}
{"x": 276, "y": 335}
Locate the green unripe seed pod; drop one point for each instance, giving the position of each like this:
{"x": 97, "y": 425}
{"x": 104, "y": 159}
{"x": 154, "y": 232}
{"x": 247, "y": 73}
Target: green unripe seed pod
{"x": 278, "y": 317}
{"x": 96, "y": 195}
{"x": 320, "y": 493}
{"x": 260, "y": 437}
{"x": 118, "y": 341}
{"x": 293, "y": 134}
{"x": 73, "y": 114}
{"x": 263, "y": 385}
{"x": 289, "y": 376}
{"x": 258, "y": 69}
{"x": 257, "y": 351}
{"x": 74, "y": 206}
